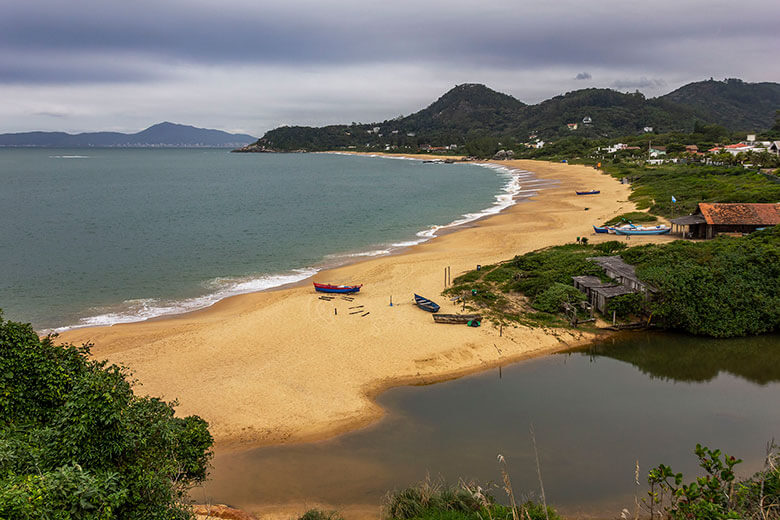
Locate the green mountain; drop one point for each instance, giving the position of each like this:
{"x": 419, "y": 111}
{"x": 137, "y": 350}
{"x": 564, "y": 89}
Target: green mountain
{"x": 471, "y": 111}
{"x": 732, "y": 103}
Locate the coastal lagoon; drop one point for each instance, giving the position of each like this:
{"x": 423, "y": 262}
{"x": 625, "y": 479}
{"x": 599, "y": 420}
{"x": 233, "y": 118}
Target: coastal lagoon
{"x": 103, "y": 236}
{"x": 596, "y": 412}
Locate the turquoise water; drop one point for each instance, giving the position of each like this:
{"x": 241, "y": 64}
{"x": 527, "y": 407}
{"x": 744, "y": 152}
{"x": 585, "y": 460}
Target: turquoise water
{"x": 646, "y": 398}
{"x": 102, "y": 236}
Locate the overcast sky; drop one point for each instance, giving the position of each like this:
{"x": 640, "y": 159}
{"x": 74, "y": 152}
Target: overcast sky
{"x": 249, "y": 66}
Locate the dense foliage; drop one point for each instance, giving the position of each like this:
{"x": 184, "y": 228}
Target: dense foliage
{"x": 729, "y": 286}
{"x": 717, "y": 494}
{"x": 722, "y": 287}
{"x": 76, "y": 442}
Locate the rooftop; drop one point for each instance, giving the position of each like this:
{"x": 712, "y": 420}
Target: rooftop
{"x": 738, "y": 213}
{"x": 612, "y": 290}
{"x": 588, "y": 281}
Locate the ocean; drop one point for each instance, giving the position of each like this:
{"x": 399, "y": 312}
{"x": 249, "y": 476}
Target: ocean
{"x": 104, "y": 236}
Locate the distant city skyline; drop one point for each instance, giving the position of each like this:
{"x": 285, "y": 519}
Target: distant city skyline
{"x": 248, "y": 67}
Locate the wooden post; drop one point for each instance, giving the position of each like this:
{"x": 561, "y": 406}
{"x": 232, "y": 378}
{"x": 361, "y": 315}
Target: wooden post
{"x": 335, "y": 311}
{"x": 500, "y": 330}
{"x": 613, "y": 318}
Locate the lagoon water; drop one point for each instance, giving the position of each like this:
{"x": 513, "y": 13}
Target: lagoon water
{"x": 596, "y": 412}
{"x": 101, "y": 236}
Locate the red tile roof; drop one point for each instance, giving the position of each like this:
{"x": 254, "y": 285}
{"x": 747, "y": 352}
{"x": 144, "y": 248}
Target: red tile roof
{"x": 738, "y": 214}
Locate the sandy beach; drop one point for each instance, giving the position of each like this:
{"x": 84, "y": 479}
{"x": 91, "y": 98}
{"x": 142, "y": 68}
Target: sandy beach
{"x": 285, "y": 366}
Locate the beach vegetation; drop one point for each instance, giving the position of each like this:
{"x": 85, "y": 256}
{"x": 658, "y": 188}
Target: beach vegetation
{"x": 435, "y": 500}
{"x": 76, "y": 442}
{"x": 320, "y": 514}
{"x": 725, "y": 287}
{"x": 718, "y": 493}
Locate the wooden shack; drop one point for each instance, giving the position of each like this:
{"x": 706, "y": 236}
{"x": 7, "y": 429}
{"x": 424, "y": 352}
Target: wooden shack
{"x": 624, "y": 274}
{"x": 599, "y": 293}
{"x": 710, "y": 219}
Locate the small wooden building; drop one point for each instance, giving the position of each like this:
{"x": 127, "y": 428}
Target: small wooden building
{"x": 598, "y": 292}
{"x": 624, "y": 274}
{"x": 710, "y": 219}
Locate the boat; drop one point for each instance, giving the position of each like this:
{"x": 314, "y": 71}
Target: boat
{"x": 332, "y": 288}
{"x": 604, "y": 229}
{"x": 425, "y": 304}
{"x": 660, "y": 230}
{"x": 456, "y": 318}
{"x": 591, "y": 192}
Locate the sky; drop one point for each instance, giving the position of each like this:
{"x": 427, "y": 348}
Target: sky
{"x": 250, "y": 66}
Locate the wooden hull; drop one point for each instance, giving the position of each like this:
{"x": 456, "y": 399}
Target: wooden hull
{"x": 330, "y": 288}
{"x": 456, "y": 318}
{"x": 592, "y": 192}
{"x": 426, "y": 304}
{"x": 600, "y": 229}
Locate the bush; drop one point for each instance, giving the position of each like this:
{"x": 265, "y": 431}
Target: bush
{"x": 553, "y": 298}
{"x": 76, "y": 442}
{"x": 319, "y": 514}
{"x": 626, "y": 305}
{"x": 610, "y": 247}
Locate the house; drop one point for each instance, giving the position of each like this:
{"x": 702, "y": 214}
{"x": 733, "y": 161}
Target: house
{"x": 587, "y": 120}
{"x": 710, "y": 219}
{"x": 691, "y": 148}
{"x": 647, "y": 129}
{"x": 656, "y": 151}
{"x": 572, "y": 126}
{"x": 774, "y": 148}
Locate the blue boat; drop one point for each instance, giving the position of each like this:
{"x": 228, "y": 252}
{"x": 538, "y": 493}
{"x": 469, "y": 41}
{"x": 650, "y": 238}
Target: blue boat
{"x": 425, "y": 304}
{"x": 591, "y": 192}
{"x": 639, "y": 231}
{"x": 331, "y": 288}
{"x": 604, "y": 229}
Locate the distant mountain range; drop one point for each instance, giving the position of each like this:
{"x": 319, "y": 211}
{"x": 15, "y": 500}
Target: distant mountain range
{"x": 162, "y": 135}
{"x": 473, "y": 110}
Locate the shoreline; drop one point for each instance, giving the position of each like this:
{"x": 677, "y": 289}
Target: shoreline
{"x": 509, "y": 194}
{"x": 278, "y": 366}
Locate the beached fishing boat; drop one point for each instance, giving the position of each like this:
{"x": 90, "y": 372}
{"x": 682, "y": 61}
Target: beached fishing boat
{"x": 660, "y": 230}
{"x": 604, "y": 229}
{"x": 591, "y": 192}
{"x": 426, "y": 304}
{"x": 456, "y": 318}
{"x": 331, "y": 288}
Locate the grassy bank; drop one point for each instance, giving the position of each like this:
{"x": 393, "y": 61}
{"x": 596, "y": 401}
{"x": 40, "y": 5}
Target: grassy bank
{"x": 725, "y": 287}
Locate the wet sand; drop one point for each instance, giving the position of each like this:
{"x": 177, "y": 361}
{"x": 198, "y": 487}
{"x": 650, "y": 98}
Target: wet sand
{"x": 285, "y": 366}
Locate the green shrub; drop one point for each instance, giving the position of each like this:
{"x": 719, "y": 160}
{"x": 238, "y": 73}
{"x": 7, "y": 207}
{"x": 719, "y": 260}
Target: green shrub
{"x": 553, "y": 298}
{"x": 319, "y": 514}
{"x": 76, "y": 442}
{"x": 610, "y": 247}
{"x": 626, "y": 305}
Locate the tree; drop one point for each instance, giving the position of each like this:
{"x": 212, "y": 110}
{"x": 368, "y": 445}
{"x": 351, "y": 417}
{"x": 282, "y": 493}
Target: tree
{"x": 76, "y": 442}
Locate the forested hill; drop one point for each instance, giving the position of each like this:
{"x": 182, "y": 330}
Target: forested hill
{"x": 470, "y": 111}
{"x": 732, "y": 103}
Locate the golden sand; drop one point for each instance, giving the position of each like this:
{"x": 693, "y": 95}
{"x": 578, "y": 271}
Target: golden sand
{"x": 280, "y": 366}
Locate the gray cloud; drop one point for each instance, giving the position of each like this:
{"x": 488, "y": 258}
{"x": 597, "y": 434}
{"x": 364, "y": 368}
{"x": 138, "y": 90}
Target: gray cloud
{"x": 640, "y": 83}
{"x": 312, "y": 62}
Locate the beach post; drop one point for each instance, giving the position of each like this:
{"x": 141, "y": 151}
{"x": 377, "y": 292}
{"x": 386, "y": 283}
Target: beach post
{"x": 335, "y": 311}
{"x": 391, "y": 300}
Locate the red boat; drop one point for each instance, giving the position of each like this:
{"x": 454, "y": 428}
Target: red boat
{"x": 327, "y": 287}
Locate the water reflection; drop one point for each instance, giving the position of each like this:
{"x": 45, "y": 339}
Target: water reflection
{"x": 594, "y": 415}
{"x": 691, "y": 359}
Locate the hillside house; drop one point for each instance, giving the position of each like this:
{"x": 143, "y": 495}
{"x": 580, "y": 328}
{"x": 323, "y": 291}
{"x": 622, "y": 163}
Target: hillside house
{"x": 657, "y": 151}
{"x": 710, "y": 219}
{"x": 691, "y": 148}
{"x": 774, "y": 148}
{"x": 571, "y": 126}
